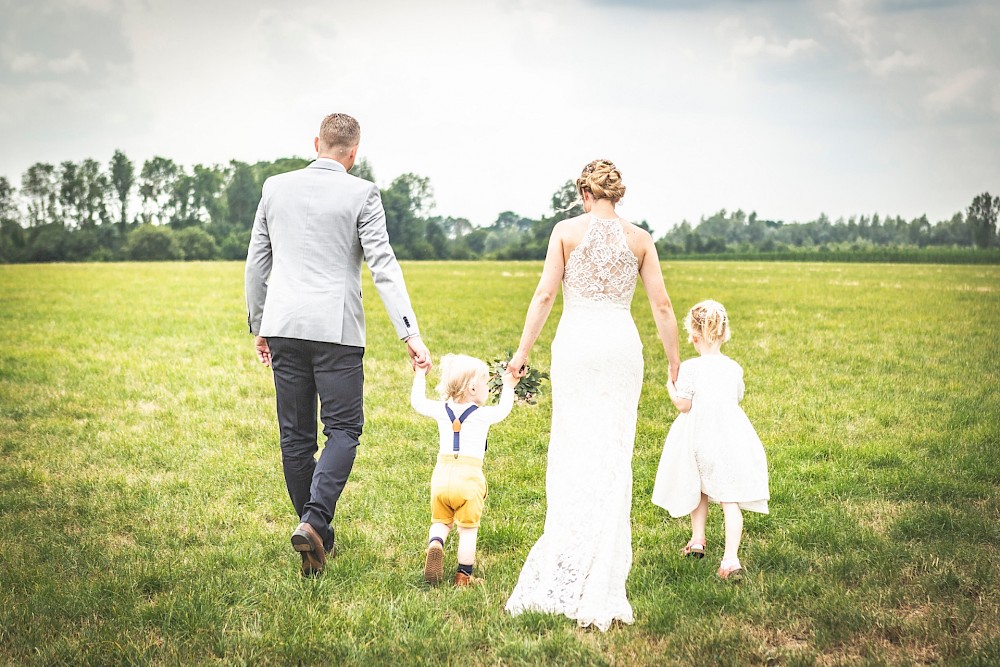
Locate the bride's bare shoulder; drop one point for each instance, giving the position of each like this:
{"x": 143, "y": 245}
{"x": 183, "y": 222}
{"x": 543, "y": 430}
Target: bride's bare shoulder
{"x": 571, "y": 227}
{"x": 633, "y": 230}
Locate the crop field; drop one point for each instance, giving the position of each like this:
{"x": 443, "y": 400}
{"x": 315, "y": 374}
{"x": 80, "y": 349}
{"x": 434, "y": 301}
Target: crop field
{"x": 144, "y": 518}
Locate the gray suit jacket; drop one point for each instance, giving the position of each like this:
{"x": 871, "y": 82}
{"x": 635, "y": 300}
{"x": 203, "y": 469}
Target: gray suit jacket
{"x": 313, "y": 228}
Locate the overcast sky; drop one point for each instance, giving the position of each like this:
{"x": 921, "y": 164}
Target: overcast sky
{"x": 786, "y": 108}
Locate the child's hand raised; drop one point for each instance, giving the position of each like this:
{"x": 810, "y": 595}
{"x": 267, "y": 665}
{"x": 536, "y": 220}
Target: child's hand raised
{"x": 672, "y": 390}
{"x": 509, "y": 379}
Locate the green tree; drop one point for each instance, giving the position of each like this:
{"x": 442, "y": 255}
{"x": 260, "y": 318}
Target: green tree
{"x": 265, "y": 170}
{"x": 437, "y": 240}
{"x": 242, "y": 196}
{"x": 156, "y": 187}
{"x": 47, "y": 243}
{"x": 363, "y": 169}
{"x": 71, "y": 194}
{"x": 123, "y": 180}
{"x": 40, "y": 187}
{"x": 12, "y": 239}
{"x": 196, "y": 244}
{"x": 149, "y": 242}
{"x": 96, "y": 191}
{"x": 405, "y": 200}
{"x": 207, "y": 200}
{"x": 8, "y": 203}
{"x": 982, "y": 217}
{"x": 235, "y": 244}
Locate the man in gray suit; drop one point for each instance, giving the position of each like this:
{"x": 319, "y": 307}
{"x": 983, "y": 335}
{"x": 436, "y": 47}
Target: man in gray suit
{"x": 313, "y": 228}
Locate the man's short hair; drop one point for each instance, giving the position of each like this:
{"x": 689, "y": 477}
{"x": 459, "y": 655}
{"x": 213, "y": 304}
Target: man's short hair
{"x": 338, "y": 130}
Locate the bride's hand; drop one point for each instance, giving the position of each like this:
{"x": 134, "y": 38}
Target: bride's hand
{"x": 517, "y": 365}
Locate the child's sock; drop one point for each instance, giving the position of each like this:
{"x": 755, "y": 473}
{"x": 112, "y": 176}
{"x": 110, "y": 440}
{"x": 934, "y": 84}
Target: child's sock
{"x": 465, "y": 569}
{"x": 436, "y": 539}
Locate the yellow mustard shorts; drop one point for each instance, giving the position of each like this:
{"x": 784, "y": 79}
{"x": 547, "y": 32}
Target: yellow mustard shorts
{"x": 458, "y": 490}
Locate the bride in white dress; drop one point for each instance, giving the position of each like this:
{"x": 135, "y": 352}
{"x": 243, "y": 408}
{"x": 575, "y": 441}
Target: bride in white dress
{"x": 579, "y": 565}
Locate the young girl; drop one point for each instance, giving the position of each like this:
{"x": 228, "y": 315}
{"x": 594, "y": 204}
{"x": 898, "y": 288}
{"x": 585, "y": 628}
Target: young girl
{"x": 458, "y": 488}
{"x": 712, "y": 452}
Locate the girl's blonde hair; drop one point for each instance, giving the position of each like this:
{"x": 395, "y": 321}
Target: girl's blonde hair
{"x": 708, "y": 320}
{"x": 458, "y": 373}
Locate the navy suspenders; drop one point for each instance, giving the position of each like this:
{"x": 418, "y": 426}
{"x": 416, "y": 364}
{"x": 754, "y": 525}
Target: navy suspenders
{"x": 456, "y": 424}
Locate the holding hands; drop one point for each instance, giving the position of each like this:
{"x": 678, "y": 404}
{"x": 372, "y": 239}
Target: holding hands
{"x": 518, "y": 365}
{"x": 420, "y": 356}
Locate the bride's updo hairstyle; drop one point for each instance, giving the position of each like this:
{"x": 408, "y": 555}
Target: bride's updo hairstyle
{"x": 602, "y": 179}
{"x": 708, "y": 321}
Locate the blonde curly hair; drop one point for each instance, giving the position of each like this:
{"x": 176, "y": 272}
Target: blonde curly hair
{"x": 708, "y": 321}
{"x": 602, "y": 179}
{"x": 459, "y": 373}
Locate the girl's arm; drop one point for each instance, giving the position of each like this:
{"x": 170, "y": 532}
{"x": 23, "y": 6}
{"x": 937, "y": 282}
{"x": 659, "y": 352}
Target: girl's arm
{"x": 663, "y": 310}
{"x": 682, "y": 404}
{"x": 418, "y": 394}
{"x": 541, "y": 302}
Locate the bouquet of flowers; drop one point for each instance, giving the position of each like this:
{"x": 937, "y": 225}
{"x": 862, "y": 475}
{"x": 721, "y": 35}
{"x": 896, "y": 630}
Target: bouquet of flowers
{"x": 526, "y": 390}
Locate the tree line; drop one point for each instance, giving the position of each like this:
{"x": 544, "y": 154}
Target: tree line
{"x": 87, "y": 211}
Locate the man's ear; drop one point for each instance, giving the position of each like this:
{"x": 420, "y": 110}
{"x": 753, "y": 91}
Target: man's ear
{"x": 316, "y": 144}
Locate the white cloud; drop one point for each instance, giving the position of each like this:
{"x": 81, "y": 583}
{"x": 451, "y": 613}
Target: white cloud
{"x": 759, "y": 45}
{"x": 956, "y": 92}
{"x": 897, "y": 62}
{"x": 774, "y": 107}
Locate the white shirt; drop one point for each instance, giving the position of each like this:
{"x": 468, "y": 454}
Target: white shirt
{"x": 472, "y": 440}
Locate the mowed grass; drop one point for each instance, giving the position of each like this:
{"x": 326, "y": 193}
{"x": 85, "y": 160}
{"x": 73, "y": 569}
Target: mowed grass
{"x": 144, "y": 519}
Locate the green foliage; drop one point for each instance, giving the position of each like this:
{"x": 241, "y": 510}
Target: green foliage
{"x": 157, "y": 186}
{"x": 982, "y": 218}
{"x": 196, "y": 244}
{"x": 222, "y": 200}
{"x": 122, "y": 178}
{"x": 148, "y": 243}
{"x": 363, "y": 169}
{"x": 527, "y": 390}
{"x": 242, "y": 196}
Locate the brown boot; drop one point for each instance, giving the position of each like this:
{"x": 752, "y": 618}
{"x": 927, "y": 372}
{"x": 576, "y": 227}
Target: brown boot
{"x": 462, "y": 579}
{"x": 434, "y": 563}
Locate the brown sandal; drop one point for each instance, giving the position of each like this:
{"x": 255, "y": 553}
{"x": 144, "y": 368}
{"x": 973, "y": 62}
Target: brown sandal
{"x": 694, "y": 549}
{"x": 730, "y": 572}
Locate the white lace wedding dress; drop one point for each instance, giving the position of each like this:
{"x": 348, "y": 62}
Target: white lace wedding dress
{"x": 579, "y": 565}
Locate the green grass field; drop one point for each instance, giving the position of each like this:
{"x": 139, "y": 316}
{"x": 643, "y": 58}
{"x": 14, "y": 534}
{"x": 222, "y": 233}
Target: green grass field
{"x": 144, "y": 519}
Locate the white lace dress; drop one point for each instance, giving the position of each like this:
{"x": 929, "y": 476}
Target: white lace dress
{"x": 579, "y": 565}
{"x": 713, "y": 448}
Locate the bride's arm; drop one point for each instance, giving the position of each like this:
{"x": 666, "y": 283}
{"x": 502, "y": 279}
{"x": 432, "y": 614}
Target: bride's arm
{"x": 659, "y": 301}
{"x": 541, "y": 302}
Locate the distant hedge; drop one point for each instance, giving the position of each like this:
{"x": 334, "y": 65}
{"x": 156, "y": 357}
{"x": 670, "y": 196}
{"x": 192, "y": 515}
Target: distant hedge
{"x": 886, "y": 255}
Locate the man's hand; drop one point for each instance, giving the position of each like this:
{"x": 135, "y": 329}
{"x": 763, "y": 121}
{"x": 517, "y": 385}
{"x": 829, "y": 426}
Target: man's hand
{"x": 263, "y": 351}
{"x": 672, "y": 390}
{"x": 420, "y": 356}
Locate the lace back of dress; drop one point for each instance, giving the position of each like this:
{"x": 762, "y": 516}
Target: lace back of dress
{"x": 602, "y": 268}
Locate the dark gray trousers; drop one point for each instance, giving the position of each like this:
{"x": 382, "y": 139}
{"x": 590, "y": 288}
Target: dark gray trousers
{"x": 304, "y": 370}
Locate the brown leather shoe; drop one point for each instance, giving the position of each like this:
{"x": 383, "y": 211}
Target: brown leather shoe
{"x": 434, "y": 564}
{"x": 309, "y": 544}
{"x": 462, "y": 579}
